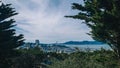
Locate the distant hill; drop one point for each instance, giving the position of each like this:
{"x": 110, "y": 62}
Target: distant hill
{"x": 83, "y": 43}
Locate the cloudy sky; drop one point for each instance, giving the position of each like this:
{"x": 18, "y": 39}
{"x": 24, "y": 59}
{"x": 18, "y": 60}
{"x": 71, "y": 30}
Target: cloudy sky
{"x": 44, "y": 20}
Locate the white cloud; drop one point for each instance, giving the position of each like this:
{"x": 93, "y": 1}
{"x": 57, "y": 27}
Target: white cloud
{"x": 40, "y": 20}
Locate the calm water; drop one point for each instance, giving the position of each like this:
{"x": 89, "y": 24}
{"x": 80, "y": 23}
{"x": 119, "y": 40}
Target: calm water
{"x": 94, "y": 47}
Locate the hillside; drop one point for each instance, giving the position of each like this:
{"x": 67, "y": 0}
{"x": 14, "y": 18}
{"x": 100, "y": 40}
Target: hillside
{"x": 83, "y": 43}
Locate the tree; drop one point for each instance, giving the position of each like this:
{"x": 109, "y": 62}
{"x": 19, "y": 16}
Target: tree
{"x": 103, "y": 17}
{"x": 8, "y": 38}
{"x": 96, "y": 59}
{"x": 30, "y": 58}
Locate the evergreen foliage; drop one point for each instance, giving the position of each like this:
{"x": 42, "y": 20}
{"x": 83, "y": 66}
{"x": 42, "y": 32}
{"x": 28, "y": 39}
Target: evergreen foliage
{"x": 103, "y": 17}
{"x": 96, "y": 59}
{"x": 8, "y": 38}
{"x": 29, "y": 58}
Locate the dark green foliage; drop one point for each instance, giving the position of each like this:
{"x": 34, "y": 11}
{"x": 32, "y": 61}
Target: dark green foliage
{"x": 30, "y": 58}
{"x": 58, "y": 56}
{"x": 96, "y": 59}
{"x": 24, "y": 61}
{"x": 36, "y": 52}
{"x": 8, "y": 39}
{"x": 103, "y": 17}
{"x": 36, "y": 58}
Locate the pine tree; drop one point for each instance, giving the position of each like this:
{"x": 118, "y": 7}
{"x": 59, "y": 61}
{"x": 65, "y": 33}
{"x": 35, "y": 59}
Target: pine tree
{"x": 103, "y": 17}
{"x": 8, "y": 38}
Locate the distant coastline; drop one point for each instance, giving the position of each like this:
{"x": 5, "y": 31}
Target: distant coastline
{"x": 83, "y": 43}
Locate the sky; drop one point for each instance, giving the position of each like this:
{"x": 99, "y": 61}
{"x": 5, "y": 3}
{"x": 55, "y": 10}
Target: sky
{"x": 44, "y": 20}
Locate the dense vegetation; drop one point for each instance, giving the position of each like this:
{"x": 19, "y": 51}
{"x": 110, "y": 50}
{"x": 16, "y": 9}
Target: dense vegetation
{"x": 103, "y": 17}
{"x": 96, "y": 59}
{"x": 95, "y": 13}
{"x": 35, "y": 58}
{"x": 8, "y": 38}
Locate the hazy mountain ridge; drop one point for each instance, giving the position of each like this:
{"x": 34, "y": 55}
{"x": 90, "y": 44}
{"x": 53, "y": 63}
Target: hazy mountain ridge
{"x": 83, "y": 43}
